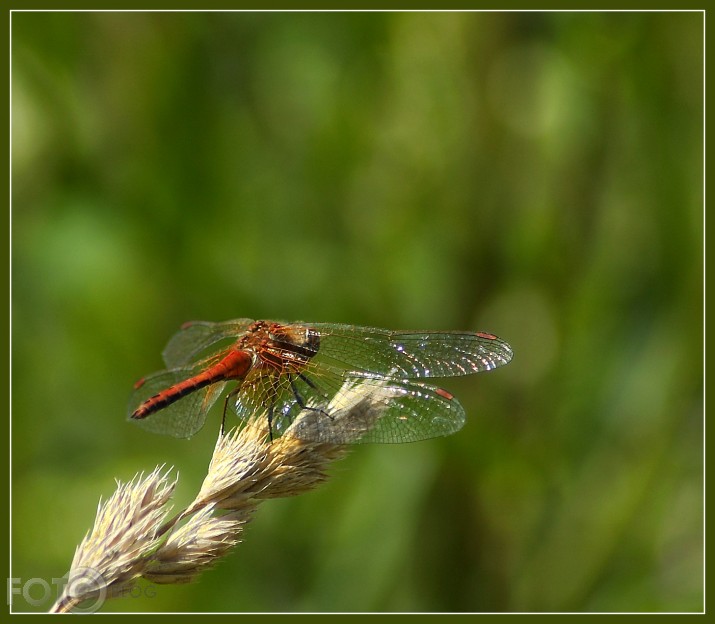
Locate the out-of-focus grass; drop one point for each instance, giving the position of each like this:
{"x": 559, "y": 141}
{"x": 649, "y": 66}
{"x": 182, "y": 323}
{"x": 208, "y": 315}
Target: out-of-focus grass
{"x": 538, "y": 176}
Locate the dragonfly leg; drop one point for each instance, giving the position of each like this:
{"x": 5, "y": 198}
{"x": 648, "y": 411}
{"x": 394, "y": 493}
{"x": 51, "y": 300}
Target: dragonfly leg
{"x": 306, "y": 380}
{"x": 233, "y": 392}
{"x": 271, "y": 409}
{"x": 299, "y": 399}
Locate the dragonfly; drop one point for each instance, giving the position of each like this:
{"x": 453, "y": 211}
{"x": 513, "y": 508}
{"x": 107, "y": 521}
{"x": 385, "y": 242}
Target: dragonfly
{"x": 286, "y": 369}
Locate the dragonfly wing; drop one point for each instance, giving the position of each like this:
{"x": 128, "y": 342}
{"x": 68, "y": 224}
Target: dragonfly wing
{"x": 181, "y": 419}
{"x": 329, "y": 405}
{"x": 410, "y": 354}
{"x": 380, "y": 410}
{"x": 197, "y": 336}
{"x": 411, "y": 411}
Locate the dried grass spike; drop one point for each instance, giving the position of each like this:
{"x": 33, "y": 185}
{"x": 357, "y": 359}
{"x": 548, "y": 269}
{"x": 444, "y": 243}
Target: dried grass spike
{"x": 125, "y": 532}
{"x": 194, "y": 547}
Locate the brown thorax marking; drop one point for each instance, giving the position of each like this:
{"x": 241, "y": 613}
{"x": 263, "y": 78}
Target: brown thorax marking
{"x": 280, "y": 348}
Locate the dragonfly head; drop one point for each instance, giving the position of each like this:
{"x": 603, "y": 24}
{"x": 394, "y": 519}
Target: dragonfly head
{"x": 298, "y": 338}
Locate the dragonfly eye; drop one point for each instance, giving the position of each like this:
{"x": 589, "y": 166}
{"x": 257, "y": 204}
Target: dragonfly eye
{"x": 312, "y": 340}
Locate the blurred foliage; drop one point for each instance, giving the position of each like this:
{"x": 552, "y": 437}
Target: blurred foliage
{"x": 534, "y": 175}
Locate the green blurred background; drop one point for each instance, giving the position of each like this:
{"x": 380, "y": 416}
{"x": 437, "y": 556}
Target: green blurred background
{"x": 538, "y": 176}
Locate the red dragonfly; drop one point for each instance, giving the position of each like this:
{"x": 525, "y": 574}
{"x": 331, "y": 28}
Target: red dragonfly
{"x": 286, "y": 368}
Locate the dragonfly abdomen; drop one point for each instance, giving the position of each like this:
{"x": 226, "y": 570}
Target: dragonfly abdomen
{"x": 235, "y": 365}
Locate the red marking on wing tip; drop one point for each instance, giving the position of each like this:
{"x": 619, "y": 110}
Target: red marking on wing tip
{"x": 486, "y": 335}
{"x": 443, "y": 393}
{"x": 187, "y": 324}
{"x": 139, "y": 384}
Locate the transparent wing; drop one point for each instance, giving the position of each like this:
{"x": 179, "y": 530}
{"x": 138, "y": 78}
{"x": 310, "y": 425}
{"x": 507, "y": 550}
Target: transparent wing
{"x": 181, "y": 419}
{"x": 410, "y": 354}
{"x": 368, "y": 410}
{"x": 405, "y": 411}
{"x": 195, "y": 337}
